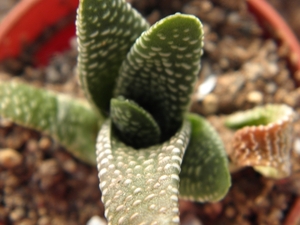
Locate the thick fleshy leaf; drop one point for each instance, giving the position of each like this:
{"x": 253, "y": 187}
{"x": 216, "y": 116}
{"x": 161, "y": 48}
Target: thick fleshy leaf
{"x": 71, "y": 122}
{"x": 136, "y": 126}
{"x": 140, "y": 187}
{"x": 106, "y": 30}
{"x": 265, "y": 142}
{"x": 260, "y": 115}
{"x": 205, "y": 175}
{"x": 161, "y": 68}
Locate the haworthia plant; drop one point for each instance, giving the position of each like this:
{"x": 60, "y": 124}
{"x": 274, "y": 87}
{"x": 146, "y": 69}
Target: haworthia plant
{"x": 141, "y": 147}
{"x": 138, "y": 79}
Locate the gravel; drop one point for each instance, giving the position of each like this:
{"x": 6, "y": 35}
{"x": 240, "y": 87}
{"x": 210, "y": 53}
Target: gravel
{"x": 41, "y": 183}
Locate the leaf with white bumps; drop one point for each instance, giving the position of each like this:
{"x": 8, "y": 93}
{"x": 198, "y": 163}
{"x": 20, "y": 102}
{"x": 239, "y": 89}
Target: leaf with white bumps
{"x": 140, "y": 186}
{"x": 71, "y": 122}
{"x": 264, "y": 140}
{"x": 136, "y": 126}
{"x": 160, "y": 70}
{"x": 204, "y": 171}
{"x": 106, "y": 30}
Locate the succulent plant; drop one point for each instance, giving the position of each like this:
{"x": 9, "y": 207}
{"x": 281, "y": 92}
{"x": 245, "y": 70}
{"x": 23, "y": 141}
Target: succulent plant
{"x": 138, "y": 79}
{"x": 263, "y": 139}
{"x": 140, "y": 149}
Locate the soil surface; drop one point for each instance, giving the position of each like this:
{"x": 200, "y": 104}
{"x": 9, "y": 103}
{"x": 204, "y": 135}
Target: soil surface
{"x": 41, "y": 183}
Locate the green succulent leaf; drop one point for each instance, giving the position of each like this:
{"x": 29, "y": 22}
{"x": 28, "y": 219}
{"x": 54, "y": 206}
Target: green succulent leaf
{"x": 136, "y": 126}
{"x": 205, "y": 175}
{"x": 160, "y": 70}
{"x": 260, "y": 115}
{"x": 140, "y": 186}
{"x": 71, "y": 122}
{"x": 106, "y": 30}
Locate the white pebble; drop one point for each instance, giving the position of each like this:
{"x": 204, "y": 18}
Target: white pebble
{"x": 96, "y": 220}
{"x": 297, "y": 146}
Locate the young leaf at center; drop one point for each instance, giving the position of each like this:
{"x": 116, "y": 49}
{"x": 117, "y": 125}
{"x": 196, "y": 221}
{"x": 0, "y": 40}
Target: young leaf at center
{"x": 160, "y": 70}
{"x": 136, "y": 126}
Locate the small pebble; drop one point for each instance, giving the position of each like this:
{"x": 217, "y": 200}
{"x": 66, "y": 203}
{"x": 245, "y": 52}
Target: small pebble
{"x": 32, "y": 214}
{"x": 8, "y": 190}
{"x": 26, "y": 222}
{"x": 270, "y": 88}
{"x": 297, "y": 145}
{"x": 210, "y": 104}
{"x": 191, "y": 219}
{"x": 17, "y": 214}
{"x": 206, "y": 6}
{"x": 49, "y": 167}
{"x": 32, "y": 145}
{"x": 42, "y": 211}
{"x": 276, "y": 214}
{"x": 234, "y": 18}
{"x": 291, "y": 100}
{"x": 45, "y": 143}
{"x": 70, "y": 166}
{"x": 252, "y": 71}
{"x": 50, "y": 173}
{"x": 13, "y": 199}
{"x": 230, "y": 212}
{"x": 44, "y": 220}
{"x": 52, "y": 75}
{"x": 10, "y": 158}
{"x": 12, "y": 181}
{"x": 255, "y": 97}
{"x": 96, "y": 220}
{"x": 273, "y": 68}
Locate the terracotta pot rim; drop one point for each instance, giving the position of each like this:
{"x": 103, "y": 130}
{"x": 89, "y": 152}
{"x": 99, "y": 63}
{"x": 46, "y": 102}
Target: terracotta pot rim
{"x": 260, "y": 8}
{"x": 27, "y": 21}
{"x": 14, "y": 16}
{"x": 263, "y": 10}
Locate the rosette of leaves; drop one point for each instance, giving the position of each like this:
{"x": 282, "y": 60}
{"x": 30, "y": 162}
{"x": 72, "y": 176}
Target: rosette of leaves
{"x": 138, "y": 79}
{"x": 150, "y": 150}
